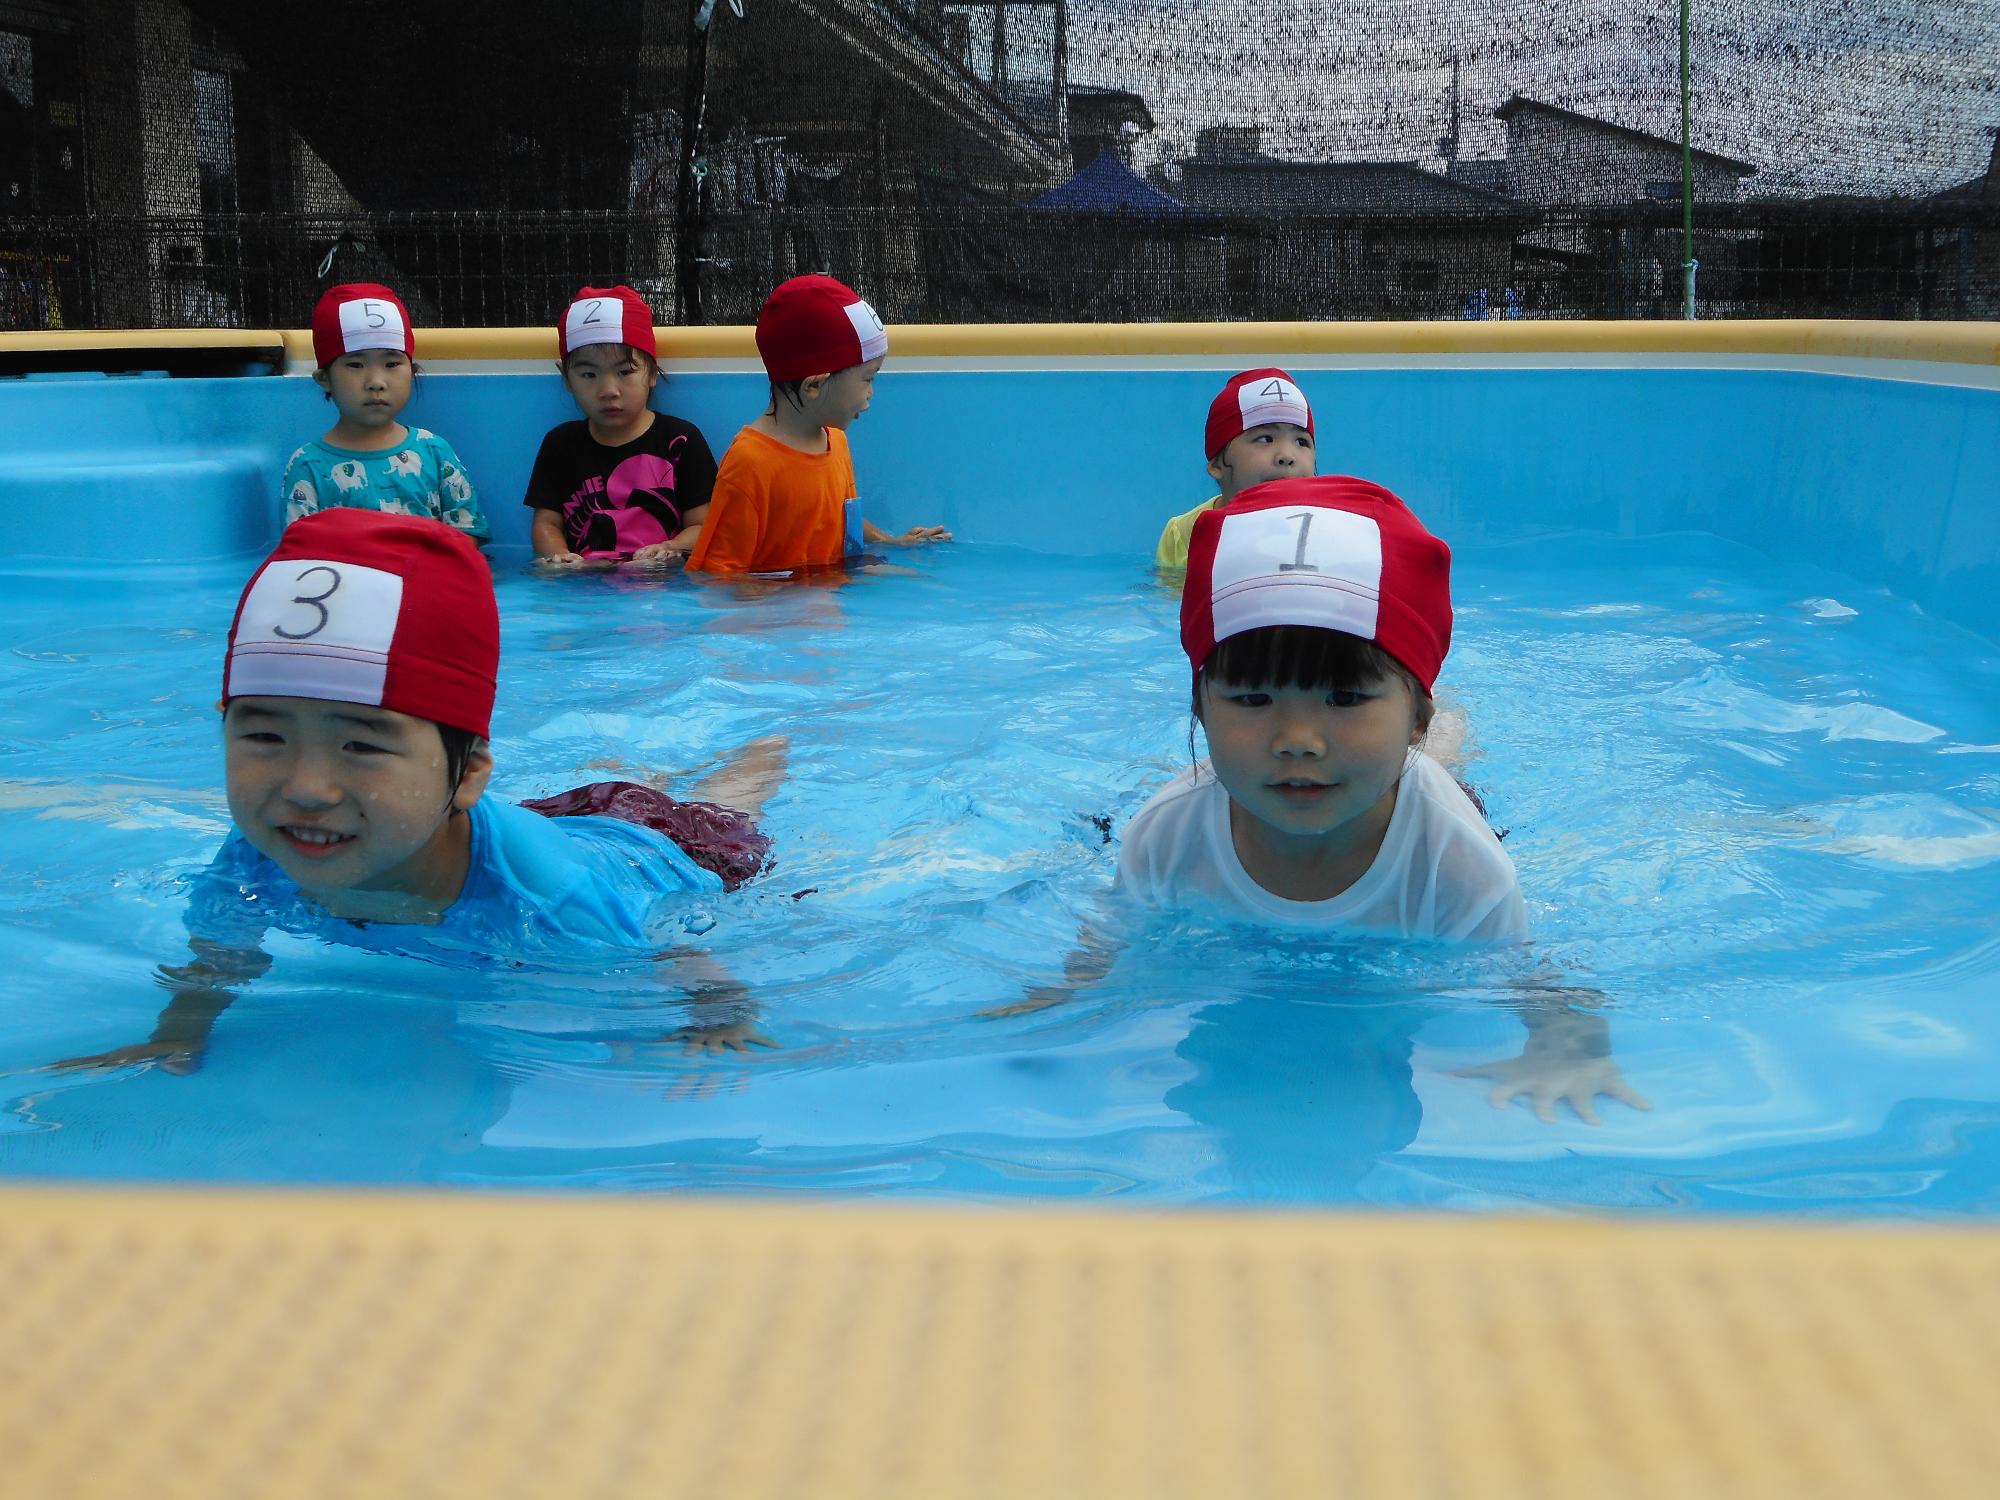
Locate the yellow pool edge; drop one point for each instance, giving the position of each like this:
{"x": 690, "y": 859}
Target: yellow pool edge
{"x": 1946, "y": 343}
{"x": 202, "y": 1343}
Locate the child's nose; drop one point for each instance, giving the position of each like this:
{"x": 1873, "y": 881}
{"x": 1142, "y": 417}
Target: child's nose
{"x": 309, "y": 784}
{"x": 1297, "y": 735}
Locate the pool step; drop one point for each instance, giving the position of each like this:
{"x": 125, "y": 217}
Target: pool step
{"x": 205, "y": 1344}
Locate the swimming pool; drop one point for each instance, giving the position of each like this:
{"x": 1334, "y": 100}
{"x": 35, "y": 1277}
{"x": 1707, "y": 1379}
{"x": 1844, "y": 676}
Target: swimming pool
{"x": 1712, "y": 645}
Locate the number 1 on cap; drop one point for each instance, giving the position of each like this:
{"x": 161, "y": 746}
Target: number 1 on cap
{"x": 1298, "y": 564}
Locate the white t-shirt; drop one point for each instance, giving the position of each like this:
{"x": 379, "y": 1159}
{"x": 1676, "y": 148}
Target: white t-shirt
{"x": 1440, "y": 872}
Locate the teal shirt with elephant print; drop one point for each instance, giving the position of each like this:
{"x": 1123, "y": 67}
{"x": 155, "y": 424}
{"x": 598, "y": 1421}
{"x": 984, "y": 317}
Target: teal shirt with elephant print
{"x": 420, "y": 477}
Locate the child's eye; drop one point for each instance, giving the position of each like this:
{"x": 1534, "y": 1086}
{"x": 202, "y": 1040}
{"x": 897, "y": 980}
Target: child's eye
{"x": 1346, "y": 697}
{"x": 259, "y": 737}
{"x": 362, "y": 747}
{"x": 1249, "y": 700}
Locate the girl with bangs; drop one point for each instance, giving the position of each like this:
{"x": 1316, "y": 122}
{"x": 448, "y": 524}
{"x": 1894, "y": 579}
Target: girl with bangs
{"x": 1316, "y": 615}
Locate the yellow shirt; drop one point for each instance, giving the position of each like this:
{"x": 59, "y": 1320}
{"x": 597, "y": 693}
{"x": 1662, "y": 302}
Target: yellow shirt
{"x": 1173, "y": 549}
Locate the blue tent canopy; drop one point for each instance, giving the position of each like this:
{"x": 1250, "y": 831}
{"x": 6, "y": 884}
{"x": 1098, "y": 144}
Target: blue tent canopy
{"x": 1108, "y": 186}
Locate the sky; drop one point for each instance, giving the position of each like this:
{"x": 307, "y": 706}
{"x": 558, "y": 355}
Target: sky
{"x": 1824, "y": 96}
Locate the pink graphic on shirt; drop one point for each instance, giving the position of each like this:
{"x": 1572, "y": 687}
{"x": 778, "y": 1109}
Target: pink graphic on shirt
{"x": 642, "y": 472}
{"x": 633, "y": 507}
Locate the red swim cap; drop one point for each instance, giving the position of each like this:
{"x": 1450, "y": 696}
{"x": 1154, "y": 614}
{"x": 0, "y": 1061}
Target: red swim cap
{"x": 814, "y": 325}
{"x": 1336, "y": 553}
{"x": 358, "y": 606}
{"x": 606, "y": 315}
{"x": 360, "y": 315}
{"x": 1250, "y": 400}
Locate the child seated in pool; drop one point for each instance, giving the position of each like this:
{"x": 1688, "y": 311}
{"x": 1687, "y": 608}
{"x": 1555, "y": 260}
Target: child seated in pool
{"x": 368, "y": 460}
{"x": 626, "y": 482}
{"x": 357, "y": 694}
{"x": 786, "y": 497}
{"x": 1259, "y": 427}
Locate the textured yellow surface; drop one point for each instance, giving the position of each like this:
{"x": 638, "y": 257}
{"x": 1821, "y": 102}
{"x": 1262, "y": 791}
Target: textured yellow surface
{"x": 1948, "y": 343}
{"x": 208, "y": 1345}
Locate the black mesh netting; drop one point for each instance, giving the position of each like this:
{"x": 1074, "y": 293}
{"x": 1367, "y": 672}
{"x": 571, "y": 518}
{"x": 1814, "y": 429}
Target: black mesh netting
{"x": 203, "y": 162}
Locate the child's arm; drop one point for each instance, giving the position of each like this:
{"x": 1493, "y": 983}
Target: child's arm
{"x": 1567, "y": 1057}
{"x": 1086, "y": 964}
{"x": 299, "y": 488}
{"x": 461, "y": 501}
{"x": 916, "y": 536}
{"x": 202, "y": 990}
{"x": 551, "y": 546}
{"x": 725, "y": 1015}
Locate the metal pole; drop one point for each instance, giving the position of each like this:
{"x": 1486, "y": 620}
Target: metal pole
{"x": 688, "y": 182}
{"x": 1687, "y": 179}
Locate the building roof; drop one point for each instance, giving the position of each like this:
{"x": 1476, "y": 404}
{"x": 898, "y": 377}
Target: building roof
{"x": 1108, "y": 186}
{"x": 1133, "y": 104}
{"x": 1339, "y": 186}
{"x": 1519, "y": 102}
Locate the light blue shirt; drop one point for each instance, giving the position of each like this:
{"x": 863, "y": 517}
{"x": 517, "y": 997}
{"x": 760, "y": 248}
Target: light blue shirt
{"x": 539, "y": 889}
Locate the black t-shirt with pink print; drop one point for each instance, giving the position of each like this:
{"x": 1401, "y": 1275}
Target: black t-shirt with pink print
{"x": 614, "y": 501}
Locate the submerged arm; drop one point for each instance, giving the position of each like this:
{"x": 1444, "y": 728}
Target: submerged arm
{"x": 724, "y": 1014}
{"x": 1086, "y": 964}
{"x": 202, "y": 990}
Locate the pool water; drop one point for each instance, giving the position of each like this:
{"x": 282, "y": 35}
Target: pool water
{"x": 1755, "y": 807}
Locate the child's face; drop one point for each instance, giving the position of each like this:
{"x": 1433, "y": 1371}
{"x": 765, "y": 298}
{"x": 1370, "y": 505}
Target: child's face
{"x": 345, "y": 797}
{"x": 369, "y": 388}
{"x": 845, "y": 394}
{"x": 1276, "y": 450}
{"x": 1309, "y": 763}
{"x": 610, "y": 384}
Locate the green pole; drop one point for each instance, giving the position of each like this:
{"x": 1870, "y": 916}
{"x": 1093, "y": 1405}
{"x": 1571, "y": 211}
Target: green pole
{"x": 1687, "y": 180}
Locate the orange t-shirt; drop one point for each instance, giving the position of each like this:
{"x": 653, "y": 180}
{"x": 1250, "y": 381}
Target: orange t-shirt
{"x": 774, "y": 507}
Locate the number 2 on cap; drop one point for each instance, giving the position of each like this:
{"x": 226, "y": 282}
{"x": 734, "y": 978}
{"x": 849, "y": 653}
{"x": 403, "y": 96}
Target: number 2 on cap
{"x": 596, "y": 306}
{"x": 312, "y": 601}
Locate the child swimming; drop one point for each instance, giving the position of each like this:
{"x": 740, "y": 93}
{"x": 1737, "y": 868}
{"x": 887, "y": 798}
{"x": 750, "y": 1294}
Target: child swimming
{"x": 1259, "y": 427}
{"x": 1315, "y": 617}
{"x": 365, "y": 349}
{"x": 626, "y": 482}
{"x": 786, "y": 497}
{"x": 357, "y": 696}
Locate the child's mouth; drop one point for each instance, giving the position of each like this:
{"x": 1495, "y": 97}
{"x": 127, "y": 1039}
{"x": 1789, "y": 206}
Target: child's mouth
{"x": 314, "y": 843}
{"x": 1301, "y": 791}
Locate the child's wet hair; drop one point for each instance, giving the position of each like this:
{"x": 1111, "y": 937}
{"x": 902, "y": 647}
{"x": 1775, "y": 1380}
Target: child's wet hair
{"x": 792, "y": 390}
{"x": 458, "y": 747}
{"x": 625, "y": 352}
{"x": 1306, "y": 656}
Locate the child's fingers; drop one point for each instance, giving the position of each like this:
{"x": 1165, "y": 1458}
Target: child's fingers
{"x": 1626, "y": 1094}
{"x": 1583, "y": 1102}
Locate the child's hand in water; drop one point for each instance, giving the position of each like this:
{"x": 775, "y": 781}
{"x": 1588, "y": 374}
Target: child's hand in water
{"x": 916, "y": 536}
{"x": 732, "y": 1036}
{"x": 1553, "y": 1070}
{"x": 660, "y": 555}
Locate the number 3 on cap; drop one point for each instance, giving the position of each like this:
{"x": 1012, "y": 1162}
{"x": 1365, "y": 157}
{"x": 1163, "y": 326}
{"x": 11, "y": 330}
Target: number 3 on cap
{"x": 316, "y": 602}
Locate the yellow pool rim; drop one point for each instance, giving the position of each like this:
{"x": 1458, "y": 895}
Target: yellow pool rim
{"x": 1939, "y": 343}
{"x": 303, "y": 1345}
